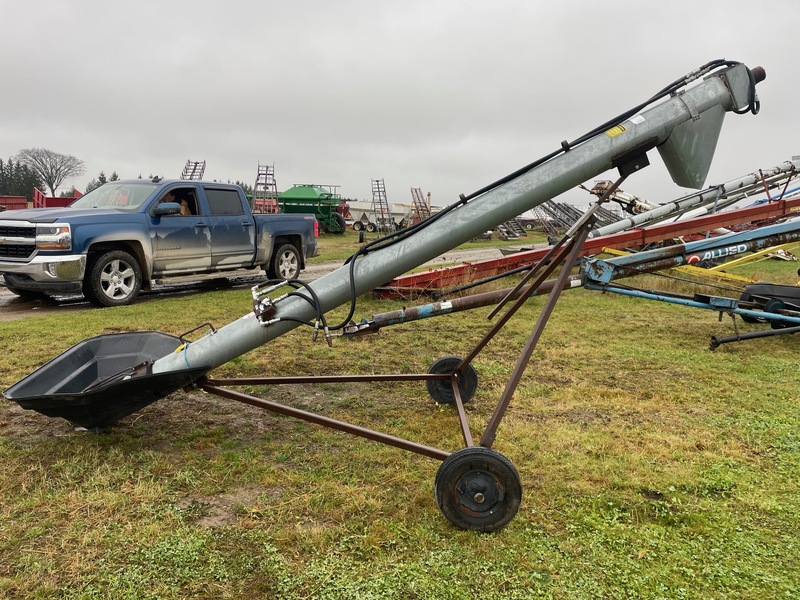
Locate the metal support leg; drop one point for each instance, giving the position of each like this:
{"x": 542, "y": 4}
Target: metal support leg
{"x": 491, "y": 429}
{"x": 462, "y": 415}
{"x": 389, "y": 440}
{"x": 554, "y": 262}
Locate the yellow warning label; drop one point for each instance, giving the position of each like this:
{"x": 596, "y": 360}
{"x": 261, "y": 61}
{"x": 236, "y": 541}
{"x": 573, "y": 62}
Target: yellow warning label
{"x": 615, "y": 131}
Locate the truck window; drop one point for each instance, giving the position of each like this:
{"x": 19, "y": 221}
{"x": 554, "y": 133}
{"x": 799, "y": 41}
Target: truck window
{"x": 224, "y": 202}
{"x": 186, "y": 199}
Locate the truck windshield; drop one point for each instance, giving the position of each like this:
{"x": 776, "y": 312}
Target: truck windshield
{"x": 122, "y": 196}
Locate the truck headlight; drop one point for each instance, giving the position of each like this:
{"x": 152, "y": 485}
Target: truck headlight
{"x": 53, "y": 237}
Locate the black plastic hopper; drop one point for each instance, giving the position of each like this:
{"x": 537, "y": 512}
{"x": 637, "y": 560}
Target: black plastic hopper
{"x": 103, "y": 379}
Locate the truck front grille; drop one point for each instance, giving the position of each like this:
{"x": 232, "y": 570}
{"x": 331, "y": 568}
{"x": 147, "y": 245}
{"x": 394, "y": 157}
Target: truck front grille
{"x": 17, "y": 241}
{"x": 8, "y": 231}
{"x": 16, "y": 251}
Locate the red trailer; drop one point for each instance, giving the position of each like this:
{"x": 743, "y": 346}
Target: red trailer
{"x": 42, "y": 201}
{"x": 13, "y": 202}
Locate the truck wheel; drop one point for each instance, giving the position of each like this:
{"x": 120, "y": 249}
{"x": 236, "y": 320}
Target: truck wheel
{"x": 358, "y": 225}
{"x": 372, "y": 227}
{"x": 112, "y": 279}
{"x": 285, "y": 264}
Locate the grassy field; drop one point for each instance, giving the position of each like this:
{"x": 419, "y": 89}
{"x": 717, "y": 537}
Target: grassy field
{"x": 652, "y": 467}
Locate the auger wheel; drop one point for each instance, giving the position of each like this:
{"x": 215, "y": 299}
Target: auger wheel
{"x": 442, "y": 390}
{"x": 478, "y": 489}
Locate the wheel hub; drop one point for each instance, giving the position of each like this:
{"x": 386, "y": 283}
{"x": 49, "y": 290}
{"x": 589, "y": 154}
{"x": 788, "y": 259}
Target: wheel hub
{"x": 478, "y": 492}
{"x": 478, "y": 488}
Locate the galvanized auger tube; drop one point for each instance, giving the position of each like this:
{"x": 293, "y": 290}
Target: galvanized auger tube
{"x": 732, "y": 191}
{"x": 105, "y": 378}
{"x": 689, "y": 121}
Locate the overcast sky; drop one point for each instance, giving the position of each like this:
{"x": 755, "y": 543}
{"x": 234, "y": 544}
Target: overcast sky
{"x": 443, "y": 95}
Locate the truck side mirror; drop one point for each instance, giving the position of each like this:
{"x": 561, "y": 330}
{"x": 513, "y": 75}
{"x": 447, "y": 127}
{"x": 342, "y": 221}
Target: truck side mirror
{"x": 166, "y": 208}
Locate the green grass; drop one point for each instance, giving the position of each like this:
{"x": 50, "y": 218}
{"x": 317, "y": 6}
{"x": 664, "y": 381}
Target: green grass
{"x": 652, "y": 467}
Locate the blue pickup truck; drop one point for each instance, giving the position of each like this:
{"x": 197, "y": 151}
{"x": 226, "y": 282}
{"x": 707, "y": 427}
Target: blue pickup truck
{"x": 127, "y": 235}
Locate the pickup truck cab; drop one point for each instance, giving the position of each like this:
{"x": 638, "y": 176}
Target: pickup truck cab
{"x": 127, "y": 235}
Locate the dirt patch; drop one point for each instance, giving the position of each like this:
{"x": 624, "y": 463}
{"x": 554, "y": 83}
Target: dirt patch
{"x": 20, "y": 424}
{"x": 223, "y": 509}
{"x": 182, "y": 411}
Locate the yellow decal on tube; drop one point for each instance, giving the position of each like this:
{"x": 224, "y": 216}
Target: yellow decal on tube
{"x": 615, "y": 131}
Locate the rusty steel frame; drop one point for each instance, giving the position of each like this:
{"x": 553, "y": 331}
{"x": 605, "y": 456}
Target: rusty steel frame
{"x": 215, "y": 386}
{"x": 565, "y": 253}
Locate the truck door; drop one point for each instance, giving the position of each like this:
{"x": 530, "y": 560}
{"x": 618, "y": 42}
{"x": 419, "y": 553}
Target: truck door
{"x": 233, "y": 236}
{"x": 182, "y": 242}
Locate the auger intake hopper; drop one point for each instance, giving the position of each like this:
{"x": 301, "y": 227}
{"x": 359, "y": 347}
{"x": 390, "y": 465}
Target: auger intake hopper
{"x": 103, "y": 379}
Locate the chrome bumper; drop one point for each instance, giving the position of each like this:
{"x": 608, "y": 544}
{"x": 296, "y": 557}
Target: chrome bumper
{"x": 46, "y": 273}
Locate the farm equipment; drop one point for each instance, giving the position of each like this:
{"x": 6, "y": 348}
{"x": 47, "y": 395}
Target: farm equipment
{"x": 320, "y": 200}
{"x": 380, "y": 217}
{"x": 759, "y": 303}
{"x": 638, "y": 231}
{"x": 421, "y": 206}
{"x": 476, "y": 487}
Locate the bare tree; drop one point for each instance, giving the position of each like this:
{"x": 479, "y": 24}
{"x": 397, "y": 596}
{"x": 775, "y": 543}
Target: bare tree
{"x": 51, "y": 166}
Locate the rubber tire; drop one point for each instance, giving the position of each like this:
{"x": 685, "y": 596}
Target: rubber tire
{"x": 341, "y": 224}
{"x": 285, "y": 263}
{"x": 372, "y": 227}
{"x": 100, "y": 285}
{"x": 358, "y": 225}
{"x": 442, "y": 391}
{"x": 472, "y": 471}
{"x": 774, "y": 305}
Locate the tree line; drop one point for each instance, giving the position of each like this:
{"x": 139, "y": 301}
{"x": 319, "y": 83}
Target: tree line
{"x": 17, "y": 179}
{"x": 39, "y": 167}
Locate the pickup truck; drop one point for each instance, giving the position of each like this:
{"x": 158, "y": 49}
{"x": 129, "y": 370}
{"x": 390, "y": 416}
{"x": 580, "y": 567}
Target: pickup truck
{"x": 127, "y": 235}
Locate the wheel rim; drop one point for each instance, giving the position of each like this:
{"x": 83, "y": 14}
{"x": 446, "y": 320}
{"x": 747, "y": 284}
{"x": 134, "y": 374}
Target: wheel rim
{"x": 287, "y": 265}
{"x": 479, "y": 492}
{"x": 117, "y": 279}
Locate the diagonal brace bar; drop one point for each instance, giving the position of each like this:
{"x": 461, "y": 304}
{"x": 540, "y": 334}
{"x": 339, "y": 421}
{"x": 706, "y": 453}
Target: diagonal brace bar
{"x": 505, "y": 399}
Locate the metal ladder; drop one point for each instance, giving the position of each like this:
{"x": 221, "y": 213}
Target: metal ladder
{"x": 265, "y": 190}
{"x": 551, "y": 228}
{"x": 511, "y": 230}
{"x": 421, "y": 210}
{"x": 380, "y": 207}
{"x": 194, "y": 169}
